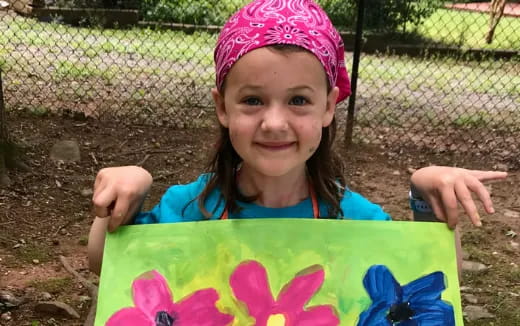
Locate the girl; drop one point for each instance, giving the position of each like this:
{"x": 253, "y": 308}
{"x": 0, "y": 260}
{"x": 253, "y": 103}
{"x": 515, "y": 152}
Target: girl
{"x": 280, "y": 72}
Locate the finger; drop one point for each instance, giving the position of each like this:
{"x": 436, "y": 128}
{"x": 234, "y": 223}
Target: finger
{"x": 437, "y": 208}
{"x": 482, "y": 193}
{"x": 484, "y": 176}
{"x": 450, "y": 206}
{"x": 98, "y": 182}
{"x": 102, "y": 201}
{"x": 464, "y": 197}
{"x": 119, "y": 213}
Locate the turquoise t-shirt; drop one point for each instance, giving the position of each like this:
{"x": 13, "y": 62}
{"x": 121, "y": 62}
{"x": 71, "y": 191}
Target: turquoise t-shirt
{"x": 178, "y": 205}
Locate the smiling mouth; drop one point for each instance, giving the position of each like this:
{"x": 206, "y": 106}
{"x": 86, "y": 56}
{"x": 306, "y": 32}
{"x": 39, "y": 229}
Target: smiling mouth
{"x": 275, "y": 146}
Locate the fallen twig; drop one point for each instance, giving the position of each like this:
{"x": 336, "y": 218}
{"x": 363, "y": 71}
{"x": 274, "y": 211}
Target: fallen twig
{"x": 92, "y": 289}
{"x": 146, "y": 157}
{"x": 61, "y": 227}
{"x": 137, "y": 151}
{"x": 148, "y": 150}
{"x": 94, "y": 158}
{"x": 123, "y": 143}
{"x": 166, "y": 175}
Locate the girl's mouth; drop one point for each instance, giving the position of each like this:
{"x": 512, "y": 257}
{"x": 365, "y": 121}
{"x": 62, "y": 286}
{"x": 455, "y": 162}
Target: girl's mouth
{"x": 275, "y": 146}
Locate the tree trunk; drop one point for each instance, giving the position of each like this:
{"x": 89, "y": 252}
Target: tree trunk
{"x": 496, "y": 11}
{"x": 4, "y": 140}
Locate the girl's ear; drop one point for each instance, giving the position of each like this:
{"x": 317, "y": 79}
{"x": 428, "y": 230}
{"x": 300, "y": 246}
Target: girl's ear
{"x": 220, "y": 107}
{"x": 331, "y": 107}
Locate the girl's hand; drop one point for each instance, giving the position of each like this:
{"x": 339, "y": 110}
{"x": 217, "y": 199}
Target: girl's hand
{"x": 446, "y": 187}
{"x": 119, "y": 193}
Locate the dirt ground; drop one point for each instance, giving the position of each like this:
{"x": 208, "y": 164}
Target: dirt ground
{"x": 46, "y": 212}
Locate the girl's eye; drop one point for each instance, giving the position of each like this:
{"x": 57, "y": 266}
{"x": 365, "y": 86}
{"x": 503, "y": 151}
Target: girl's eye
{"x": 299, "y": 100}
{"x": 252, "y": 101}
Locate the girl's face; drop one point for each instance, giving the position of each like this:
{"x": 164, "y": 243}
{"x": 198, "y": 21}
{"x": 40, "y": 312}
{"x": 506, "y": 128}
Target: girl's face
{"x": 275, "y": 106}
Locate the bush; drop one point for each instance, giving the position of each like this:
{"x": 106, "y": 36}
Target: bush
{"x": 381, "y": 15}
{"x": 109, "y": 4}
{"x": 392, "y": 15}
{"x": 198, "y": 12}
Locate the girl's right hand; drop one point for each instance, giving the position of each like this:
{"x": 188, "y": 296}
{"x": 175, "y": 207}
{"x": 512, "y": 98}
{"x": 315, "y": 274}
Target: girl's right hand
{"x": 119, "y": 193}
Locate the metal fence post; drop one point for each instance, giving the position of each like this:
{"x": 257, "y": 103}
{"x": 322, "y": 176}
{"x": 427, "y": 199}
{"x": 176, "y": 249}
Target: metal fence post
{"x": 354, "y": 73}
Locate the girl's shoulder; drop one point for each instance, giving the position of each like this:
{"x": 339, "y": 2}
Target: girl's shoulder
{"x": 357, "y": 207}
{"x": 180, "y": 204}
{"x": 188, "y": 190}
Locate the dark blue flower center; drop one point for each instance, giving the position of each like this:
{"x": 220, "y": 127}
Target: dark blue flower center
{"x": 162, "y": 318}
{"x": 400, "y": 312}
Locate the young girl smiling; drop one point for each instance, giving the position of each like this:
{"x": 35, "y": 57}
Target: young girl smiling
{"x": 280, "y": 72}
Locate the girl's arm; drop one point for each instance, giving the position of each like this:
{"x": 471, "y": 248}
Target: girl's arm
{"x": 96, "y": 244}
{"x": 118, "y": 195}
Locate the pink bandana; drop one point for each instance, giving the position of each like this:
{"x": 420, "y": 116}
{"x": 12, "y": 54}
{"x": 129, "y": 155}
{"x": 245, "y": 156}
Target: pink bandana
{"x": 298, "y": 22}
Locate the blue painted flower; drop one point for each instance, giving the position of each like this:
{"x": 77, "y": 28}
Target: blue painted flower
{"x": 417, "y": 303}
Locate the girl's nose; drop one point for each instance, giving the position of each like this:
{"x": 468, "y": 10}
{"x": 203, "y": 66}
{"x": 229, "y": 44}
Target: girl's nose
{"x": 275, "y": 119}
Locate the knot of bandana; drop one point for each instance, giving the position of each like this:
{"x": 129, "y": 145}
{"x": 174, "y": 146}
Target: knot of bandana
{"x": 295, "y": 22}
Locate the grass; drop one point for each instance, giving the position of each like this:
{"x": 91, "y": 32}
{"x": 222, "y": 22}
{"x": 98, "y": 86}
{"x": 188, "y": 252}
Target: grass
{"x": 469, "y": 29}
{"x": 52, "y": 285}
{"x": 168, "y": 45}
{"x": 490, "y": 77}
{"x": 30, "y": 253}
{"x": 439, "y": 92}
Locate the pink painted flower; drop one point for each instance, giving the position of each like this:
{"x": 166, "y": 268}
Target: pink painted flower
{"x": 250, "y": 285}
{"x": 154, "y": 306}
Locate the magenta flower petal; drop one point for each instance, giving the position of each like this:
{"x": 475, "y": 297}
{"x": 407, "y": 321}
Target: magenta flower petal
{"x": 152, "y": 295}
{"x": 199, "y": 310}
{"x": 154, "y": 306}
{"x": 250, "y": 285}
{"x": 317, "y": 316}
{"x": 299, "y": 291}
{"x": 129, "y": 317}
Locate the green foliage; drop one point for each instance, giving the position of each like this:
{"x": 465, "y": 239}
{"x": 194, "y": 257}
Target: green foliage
{"x": 119, "y": 4}
{"x": 390, "y": 15}
{"x": 381, "y": 15}
{"x": 342, "y": 13}
{"x": 200, "y": 12}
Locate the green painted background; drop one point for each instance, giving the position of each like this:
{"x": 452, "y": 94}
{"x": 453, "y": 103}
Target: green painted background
{"x": 199, "y": 255}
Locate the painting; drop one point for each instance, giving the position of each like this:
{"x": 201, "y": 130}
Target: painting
{"x": 280, "y": 272}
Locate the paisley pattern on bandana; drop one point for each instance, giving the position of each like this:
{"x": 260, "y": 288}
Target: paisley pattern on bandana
{"x": 297, "y": 22}
{"x": 286, "y": 34}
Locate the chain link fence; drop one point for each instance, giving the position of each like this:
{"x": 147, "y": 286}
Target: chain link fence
{"x": 444, "y": 83}
{"x": 430, "y": 76}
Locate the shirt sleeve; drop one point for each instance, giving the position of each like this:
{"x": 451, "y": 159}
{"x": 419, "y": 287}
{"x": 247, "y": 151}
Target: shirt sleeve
{"x": 178, "y": 204}
{"x": 357, "y": 207}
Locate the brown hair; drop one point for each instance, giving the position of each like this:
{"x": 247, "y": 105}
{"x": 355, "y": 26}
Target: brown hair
{"x": 324, "y": 167}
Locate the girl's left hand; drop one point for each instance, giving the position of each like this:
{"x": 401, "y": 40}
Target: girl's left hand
{"x": 444, "y": 188}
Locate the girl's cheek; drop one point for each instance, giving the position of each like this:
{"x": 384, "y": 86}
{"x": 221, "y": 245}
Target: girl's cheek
{"x": 318, "y": 131}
